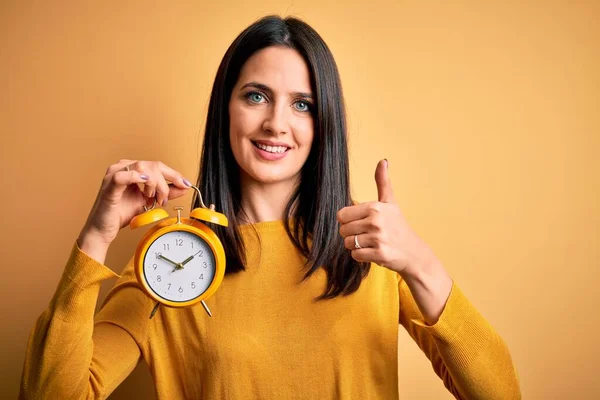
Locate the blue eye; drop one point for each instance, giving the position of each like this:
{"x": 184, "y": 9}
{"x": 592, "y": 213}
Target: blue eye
{"x": 255, "y": 97}
{"x": 303, "y": 106}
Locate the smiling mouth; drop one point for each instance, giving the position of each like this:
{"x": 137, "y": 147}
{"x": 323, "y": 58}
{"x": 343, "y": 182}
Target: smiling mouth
{"x": 271, "y": 149}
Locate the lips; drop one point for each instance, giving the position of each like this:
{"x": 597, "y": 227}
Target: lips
{"x": 271, "y": 143}
{"x": 271, "y": 147}
{"x": 269, "y": 154}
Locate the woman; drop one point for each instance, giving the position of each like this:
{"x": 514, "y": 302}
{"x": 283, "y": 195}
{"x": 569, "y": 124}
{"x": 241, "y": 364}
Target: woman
{"x": 302, "y": 313}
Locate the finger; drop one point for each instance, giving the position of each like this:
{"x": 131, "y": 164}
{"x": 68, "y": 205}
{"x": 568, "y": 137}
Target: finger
{"x": 176, "y": 187}
{"x": 162, "y": 190}
{"x": 364, "y": 255}
{"x": 176, "y": 192}
{"x": 151, "y": 169}
{"x": 385, "y": 194}
{"x": 355, "y": 227}
{"x": 150, "y": 186}
{"x": 120, "y": 180}
{"x": 118, "y": 166}
{"x": 359, "y": 211}
{"x": 174, "y": 176}
{"x": 364, "y": 240}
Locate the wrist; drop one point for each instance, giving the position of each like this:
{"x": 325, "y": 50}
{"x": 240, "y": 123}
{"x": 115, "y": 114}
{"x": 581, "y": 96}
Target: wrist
{"x": 93, "y": 245}
{"x": 427, "y": 273}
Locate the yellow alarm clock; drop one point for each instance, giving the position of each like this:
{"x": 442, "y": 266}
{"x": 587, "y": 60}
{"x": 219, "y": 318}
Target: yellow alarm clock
{"x": 180, "y": 261}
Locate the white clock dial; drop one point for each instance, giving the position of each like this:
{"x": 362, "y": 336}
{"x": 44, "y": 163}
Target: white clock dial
{"x": 179, "y": 266}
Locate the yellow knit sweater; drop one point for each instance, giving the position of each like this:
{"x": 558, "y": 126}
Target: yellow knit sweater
{"x": 267, "y": 338}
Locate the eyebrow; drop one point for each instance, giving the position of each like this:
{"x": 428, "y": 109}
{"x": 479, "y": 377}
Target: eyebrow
{"x": 267, "y": 89}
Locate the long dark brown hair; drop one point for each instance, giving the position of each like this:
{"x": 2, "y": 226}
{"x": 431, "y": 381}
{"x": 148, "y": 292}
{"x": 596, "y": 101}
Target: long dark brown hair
{"x": 324, "y": 185}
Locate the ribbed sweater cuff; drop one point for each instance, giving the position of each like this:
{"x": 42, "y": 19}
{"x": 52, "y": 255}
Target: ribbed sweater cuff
{"x": 77, "y": 293}
{"x": 460, "y": 322}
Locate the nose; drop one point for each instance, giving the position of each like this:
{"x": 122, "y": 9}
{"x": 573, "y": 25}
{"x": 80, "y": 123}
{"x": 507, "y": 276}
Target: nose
{"x": 276, "y": 120}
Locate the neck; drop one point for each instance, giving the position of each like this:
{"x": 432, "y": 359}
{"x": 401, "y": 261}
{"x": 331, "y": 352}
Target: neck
{"x": 263, "y": 202}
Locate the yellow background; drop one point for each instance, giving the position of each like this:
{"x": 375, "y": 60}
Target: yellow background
{"x": 487, "y": 111}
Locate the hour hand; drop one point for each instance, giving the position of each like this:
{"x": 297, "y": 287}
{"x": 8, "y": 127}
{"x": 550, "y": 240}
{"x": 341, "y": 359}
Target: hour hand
{"x": 187, "y": 260}
{"x": 167, "y": 260}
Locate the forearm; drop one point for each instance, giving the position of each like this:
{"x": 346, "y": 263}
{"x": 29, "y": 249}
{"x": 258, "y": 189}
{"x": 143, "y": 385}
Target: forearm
{"x": 58, "y": 361}
{"x": 430, "y": 286}
{"x": 89, "y": 242}
{"x": 465, "y": 351}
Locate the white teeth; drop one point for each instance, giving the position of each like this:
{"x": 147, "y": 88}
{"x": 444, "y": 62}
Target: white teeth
{"x": 271, "y": 149}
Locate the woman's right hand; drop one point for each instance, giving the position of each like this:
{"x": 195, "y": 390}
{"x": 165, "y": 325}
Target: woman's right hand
{"x": 120, "y": 199}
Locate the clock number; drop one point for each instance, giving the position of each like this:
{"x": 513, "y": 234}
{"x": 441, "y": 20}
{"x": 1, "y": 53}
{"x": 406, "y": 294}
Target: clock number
{"x": 201, "y": 276}
{"x": 201, "y": 253}
{"x": 165, "y": 246}
{"x": 192, "y": 245}
{"x": 158, "y": 278}
{"x": 193, "y": 285}
{"x": 204, "y": 264}
{"x": 168, "y": 286}
{"x": 154, "y": 266}
{"x": 158, "y": 254}
{"x": 180, "y": 290}
{"x": 178, "y": 242}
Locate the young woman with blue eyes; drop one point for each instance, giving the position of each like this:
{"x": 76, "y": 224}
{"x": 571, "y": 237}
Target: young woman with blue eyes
{"x": 316, "y": 285}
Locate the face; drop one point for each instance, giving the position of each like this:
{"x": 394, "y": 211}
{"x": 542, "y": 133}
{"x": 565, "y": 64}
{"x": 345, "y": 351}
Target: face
{"x": 271, "y": 122}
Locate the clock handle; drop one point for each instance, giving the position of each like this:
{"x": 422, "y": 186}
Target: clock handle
{"x": 199, "y": 196}
{"x": 152, "y": 207}
{"x": 212, "y": 207}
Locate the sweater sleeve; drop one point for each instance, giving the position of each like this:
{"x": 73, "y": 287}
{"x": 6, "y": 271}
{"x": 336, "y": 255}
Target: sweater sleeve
{"x": 466, "y": 353}
{"x": 69, "y": 355}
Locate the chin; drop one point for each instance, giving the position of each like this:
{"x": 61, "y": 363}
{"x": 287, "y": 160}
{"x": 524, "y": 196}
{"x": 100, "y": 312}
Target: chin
{"x": 268, "y": 177}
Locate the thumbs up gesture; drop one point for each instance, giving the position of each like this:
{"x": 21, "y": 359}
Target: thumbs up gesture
{"x": 378, "y": 232}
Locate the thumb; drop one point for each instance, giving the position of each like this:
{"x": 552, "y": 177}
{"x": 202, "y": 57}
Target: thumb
{"x": 385, "y": 194}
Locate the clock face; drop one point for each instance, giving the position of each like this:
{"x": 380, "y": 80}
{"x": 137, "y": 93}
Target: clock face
{"x": 179, "y": 266}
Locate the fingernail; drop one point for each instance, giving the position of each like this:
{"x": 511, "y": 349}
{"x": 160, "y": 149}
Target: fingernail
{"x": 386, "y": 162}
{"x": 144, "y": 177}
{"x": 186, "y": 182}
{"x": 164, "y": 203}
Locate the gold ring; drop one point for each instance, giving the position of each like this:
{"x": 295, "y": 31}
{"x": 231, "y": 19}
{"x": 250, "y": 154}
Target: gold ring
{"x": 356, "y": 245}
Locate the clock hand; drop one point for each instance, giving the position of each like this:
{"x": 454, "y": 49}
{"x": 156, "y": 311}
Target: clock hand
{"x": 176, "y": 265}
{"x": 190, "y": 258}
{"x": 166, "y": 259}
{"x": 187, "y": 260}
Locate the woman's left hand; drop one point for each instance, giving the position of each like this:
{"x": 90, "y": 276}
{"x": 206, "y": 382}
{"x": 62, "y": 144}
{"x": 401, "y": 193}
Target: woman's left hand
{"x": 382, "y": 232}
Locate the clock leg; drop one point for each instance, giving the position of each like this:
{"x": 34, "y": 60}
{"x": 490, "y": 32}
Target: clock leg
{"x": 154, "y": 310}
{"x": 206, "y": 308}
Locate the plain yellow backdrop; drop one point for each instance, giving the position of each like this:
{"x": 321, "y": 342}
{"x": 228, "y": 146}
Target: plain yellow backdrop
{"x": 487, "y": 111}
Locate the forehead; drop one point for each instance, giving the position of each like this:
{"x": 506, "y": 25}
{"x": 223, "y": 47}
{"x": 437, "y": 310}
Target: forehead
{"x": 280, "y": 68}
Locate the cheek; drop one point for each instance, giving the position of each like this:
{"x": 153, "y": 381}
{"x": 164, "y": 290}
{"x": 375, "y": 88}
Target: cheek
{"x": 243, "y": 121}
{"x": 305, "y": 134}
